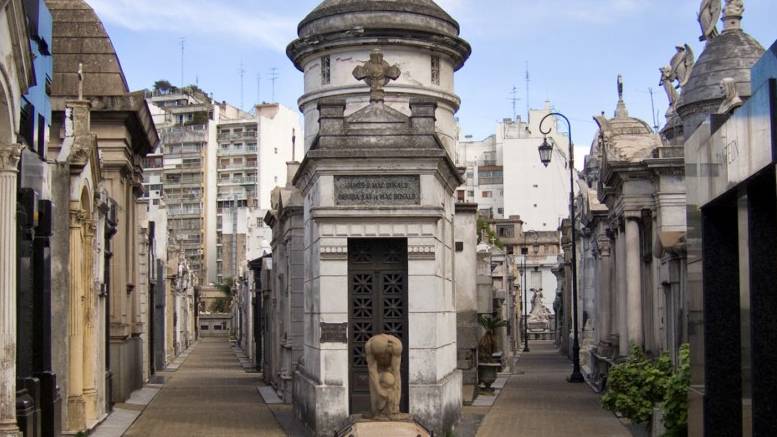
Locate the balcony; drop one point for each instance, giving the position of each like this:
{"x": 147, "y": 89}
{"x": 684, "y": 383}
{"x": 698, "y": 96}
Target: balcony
{"x": 236, "y": 151}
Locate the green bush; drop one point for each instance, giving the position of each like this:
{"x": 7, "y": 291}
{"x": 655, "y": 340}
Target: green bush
{"x": 676, "y": 397}
{"x": 635, "y": 386}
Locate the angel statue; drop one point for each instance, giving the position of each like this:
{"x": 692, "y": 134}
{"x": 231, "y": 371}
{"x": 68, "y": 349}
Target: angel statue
{"x": 709, "y": 14}
{"x": 667, "y": 81}
{"x": 682, "y": 64}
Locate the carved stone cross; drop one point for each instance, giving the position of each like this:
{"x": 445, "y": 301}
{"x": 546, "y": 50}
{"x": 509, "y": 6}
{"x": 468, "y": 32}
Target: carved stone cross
{"x": 377, "y": 73}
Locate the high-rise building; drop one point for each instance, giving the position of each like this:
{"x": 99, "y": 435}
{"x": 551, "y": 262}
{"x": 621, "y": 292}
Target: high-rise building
{"x": 176, "y": 171}
{"x": 214, "y": 170}
{"x": 251, "y": 153}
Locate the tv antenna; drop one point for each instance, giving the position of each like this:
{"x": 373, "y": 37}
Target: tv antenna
{"x": 653, "y": 107}
{"x": 514, "y": 99}
{"x": 182, "y": 42}
{"x": 528, "y": 107}
{"x": 242, "y": 88}
{"x": 273, "y": 79}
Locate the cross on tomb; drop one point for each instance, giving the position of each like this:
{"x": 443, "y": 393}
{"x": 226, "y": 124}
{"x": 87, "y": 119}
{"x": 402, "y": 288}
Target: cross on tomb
{"x": 377, "y": 73}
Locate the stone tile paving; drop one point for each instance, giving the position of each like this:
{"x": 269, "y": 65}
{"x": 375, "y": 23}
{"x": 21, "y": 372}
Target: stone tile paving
{"x": 540, "y": 403}
{"x": 209, "y": 395}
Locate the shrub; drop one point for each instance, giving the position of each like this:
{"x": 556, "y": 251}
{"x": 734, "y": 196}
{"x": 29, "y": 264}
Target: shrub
{"x": 635, "y": 386}
{"x": 676, "y": 397}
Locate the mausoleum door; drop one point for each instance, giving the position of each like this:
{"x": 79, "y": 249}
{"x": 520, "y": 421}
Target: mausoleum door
{"x": 377, "y": 304}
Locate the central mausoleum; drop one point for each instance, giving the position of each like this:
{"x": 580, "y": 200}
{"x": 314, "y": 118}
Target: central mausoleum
{"x": 377, "y": 208}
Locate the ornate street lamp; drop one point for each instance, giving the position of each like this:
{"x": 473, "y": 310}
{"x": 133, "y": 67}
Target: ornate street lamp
{"x": 546, "y": 152}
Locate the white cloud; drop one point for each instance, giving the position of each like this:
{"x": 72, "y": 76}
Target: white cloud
{"x": 214, "y": 17}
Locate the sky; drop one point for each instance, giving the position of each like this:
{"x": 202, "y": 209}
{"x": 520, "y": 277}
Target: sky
{"x": 574, "y": 50}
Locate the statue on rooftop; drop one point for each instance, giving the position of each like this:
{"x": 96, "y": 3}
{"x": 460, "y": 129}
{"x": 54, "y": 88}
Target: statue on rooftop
{"x": 735, "y": 8}
{"x": 682, "y": 64}
{"x": 731, "y": 99}
{"x": 709, "y": 14}
{"x": 377, "y": 73}
{"x": 667, "y": 81}
{"x": 384, "y": 357}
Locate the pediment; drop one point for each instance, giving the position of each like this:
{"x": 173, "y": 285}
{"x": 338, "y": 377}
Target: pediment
{"x": 377, "y": 114}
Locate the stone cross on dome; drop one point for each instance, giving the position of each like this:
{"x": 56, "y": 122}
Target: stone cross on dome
{"x": 377, "y": 73}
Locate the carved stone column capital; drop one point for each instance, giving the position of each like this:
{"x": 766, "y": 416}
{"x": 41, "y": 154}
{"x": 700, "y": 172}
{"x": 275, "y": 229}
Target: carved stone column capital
{"x": 76, "y": 218}
{"x": 9, "y": 156}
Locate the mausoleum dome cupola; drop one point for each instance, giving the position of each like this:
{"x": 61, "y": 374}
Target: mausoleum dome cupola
{"x": 729, "y": 54}
{"x": 417, "y": 36}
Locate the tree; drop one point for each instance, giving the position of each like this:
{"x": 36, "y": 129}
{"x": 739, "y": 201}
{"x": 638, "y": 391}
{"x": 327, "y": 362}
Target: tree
{"x": 162, "y": 85}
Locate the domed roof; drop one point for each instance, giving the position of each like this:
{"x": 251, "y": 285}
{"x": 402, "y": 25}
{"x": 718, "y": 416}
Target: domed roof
{"x": 342, "y": 15}
{"x": 628, "y": 139}
{"x": 79, "y": 37}
{"x": 730, "y": 54}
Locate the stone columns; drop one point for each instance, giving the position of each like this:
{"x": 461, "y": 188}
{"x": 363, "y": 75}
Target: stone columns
{"x": 75, "y": 400}
{"x": 90, "y": 308}
{"x": 604, "y": 312}
{"x": 9, "y": 159}
{"x": 633, "y": 283}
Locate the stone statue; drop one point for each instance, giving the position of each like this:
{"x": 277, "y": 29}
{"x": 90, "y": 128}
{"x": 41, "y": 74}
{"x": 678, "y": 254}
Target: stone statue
{"x": 377, "y": 73}
{"x": 384, "y": 356}
{"x": 539, "y": 312}
{"x": 667, "y": 81}
{"x": 709, "y": 14}
{"x": 682, "y": 64}
{"x": 731, "y": 99}
{"x": 735, "y": 8}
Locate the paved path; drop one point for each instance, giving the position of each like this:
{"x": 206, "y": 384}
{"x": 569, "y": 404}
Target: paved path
{"x": 540, "y": 403}
{"x": 210, "y": 395}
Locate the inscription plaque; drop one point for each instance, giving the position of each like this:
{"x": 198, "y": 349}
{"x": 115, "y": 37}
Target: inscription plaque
{"x": 334, "y": 332}
{"x": 378, "y": 190}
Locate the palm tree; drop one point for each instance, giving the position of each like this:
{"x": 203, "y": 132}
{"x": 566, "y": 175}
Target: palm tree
{"x": 487, "y": 345}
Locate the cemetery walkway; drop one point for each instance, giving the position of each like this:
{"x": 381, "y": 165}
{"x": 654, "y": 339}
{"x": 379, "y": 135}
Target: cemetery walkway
{"x": 209, "y": 395}
{"x": 540, "y": 403}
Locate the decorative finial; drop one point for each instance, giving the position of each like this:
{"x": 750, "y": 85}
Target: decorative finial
{"x": 80, "y": 81}
{"x": 733, "y": 15}
{"x": 731, "y": 99}
{"x": 620, "y": 87}
{"x": 709, "y": 14}
{"x": 377, "y": 73}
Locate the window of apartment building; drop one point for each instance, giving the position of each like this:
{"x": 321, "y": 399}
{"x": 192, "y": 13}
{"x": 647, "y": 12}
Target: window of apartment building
{"x": 460, "y": 195}
{"x": 224, "y": 146}
{"x": 326, "y": 72}
{"x": 237, "y": 177}
{"x": 436, "y": 70}
{"x": 223, "y": 177}
{"x": 224, "y": 163}
{"x": 251, "y": 147}
{"x": 237, "y": 161}
{"x": 471, "y": 193}
{"x": 237, "y": 146}
{"x": 500, "y": 210}
{"x": 251, "y": 162}
{"x": 490, "y": 176}
{"x": 486, "y": 194}
{"x": 505, "y": 231}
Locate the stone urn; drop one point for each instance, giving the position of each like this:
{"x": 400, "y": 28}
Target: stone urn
{"x": 487, "y": 374}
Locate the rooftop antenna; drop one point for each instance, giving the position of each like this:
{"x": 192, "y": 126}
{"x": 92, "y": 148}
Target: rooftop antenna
{"x": 515, "y": 99}
{"x": 183, "y": 48}
{"x": 528, "y": 105}
{"x": 273, "y": 78}
{"x": 242, "y": 89}
{"x": 258, "y": 88}
{"x": 653, "y": 107}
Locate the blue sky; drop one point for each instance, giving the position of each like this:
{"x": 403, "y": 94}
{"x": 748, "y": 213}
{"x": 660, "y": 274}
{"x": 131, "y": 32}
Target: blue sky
{"x": 574, "y": 48}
